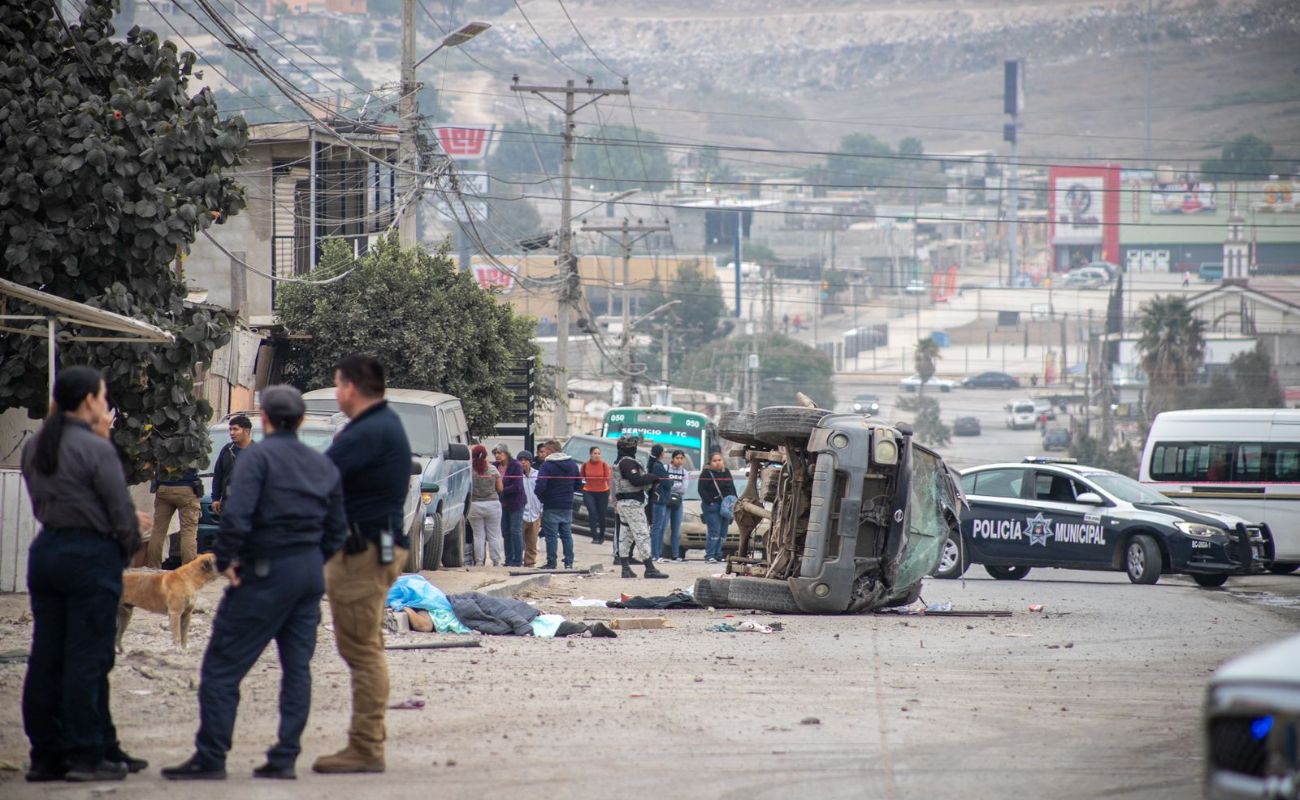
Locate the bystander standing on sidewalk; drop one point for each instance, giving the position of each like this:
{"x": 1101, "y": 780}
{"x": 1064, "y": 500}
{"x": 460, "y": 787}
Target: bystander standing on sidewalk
{"x": 660, "y": 496}
{"x": 373, "y": 456}
{"x": 485, "y": 508}
{"x": 89, "y": 530}
{"x": 513, "y": 500}
{"x": 716, "y": 485}
{"x": 175, "y": 493}
{"x": 241, "y": 436}
{"x": 557, "y": 482}
{"x": 532, "y": 508}
{"x": 676, "y": 503}
{"x": 595, "y": 493}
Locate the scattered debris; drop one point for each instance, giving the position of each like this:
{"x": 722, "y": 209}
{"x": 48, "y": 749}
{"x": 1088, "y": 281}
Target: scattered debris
{"x": 445, "y": 645}
{"x": 639, "y": 623}
{"x": 810, "y": 721}
{"x": 409, "y": 704}
{"x": 1035, "y": 608}
{"x": 13, "y": 657}
{"x": 586, "y": 602}
{"x": 748, "y": 626}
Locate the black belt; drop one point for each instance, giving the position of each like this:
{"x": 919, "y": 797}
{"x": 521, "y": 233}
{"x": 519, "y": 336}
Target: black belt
{"x": 79, "y": 532}
{"x": 640, "y": 496}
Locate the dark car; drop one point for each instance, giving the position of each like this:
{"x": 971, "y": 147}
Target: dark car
{"x": 991, "y": 380}
{"x": 1056, "y": 439}
{"x": 866, "y": 403}
{"x": 1056, "y": 513}
{"x": 966, "y": 426}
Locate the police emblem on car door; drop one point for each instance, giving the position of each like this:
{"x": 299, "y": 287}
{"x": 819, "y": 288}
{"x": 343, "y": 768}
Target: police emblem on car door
{"x": 1059, "y": 526}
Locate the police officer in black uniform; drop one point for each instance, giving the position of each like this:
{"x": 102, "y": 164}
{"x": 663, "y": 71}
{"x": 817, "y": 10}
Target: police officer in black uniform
{"x": 283, "y": 519}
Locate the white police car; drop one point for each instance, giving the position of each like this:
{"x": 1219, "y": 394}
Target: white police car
{"x": 1048, "y": 512}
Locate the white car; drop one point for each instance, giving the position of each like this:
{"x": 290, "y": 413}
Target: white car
{"x": 1021, "y": 414}
{"x": 913, "y": 383}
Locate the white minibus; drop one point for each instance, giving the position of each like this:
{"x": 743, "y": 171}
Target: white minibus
{"x": 1239, "y": 461}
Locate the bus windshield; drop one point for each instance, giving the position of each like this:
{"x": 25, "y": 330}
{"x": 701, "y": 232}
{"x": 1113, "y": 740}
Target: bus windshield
{"x": 673, "y": 428}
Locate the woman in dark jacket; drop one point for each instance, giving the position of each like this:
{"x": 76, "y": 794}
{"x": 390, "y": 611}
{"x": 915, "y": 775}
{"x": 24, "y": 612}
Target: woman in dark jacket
{"x": 89, "y": 529}
{"x": 715, "y": 483}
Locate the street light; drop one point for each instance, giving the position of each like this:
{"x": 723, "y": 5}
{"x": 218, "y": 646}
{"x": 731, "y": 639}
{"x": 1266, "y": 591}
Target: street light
{"x": 457, "y": 37}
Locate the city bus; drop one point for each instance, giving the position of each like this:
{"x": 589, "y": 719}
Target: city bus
{"x": 674, "y": 428}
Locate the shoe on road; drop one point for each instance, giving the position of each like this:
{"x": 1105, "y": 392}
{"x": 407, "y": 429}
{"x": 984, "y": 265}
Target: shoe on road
{"x": 275, "y": 773}
{"x": 347, "y": 761}
{"x": 194, "y": 770}
{"x": 133, "y": 765}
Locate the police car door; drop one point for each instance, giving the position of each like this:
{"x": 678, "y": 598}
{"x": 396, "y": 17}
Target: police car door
{"x": 1067, "y": 532}
{"x": 995, "y": 525}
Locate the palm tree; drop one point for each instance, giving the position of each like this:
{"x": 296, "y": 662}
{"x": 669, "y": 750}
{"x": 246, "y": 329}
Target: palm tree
{"x": 1172, "y": 348}
{"x": 927, "y": 352}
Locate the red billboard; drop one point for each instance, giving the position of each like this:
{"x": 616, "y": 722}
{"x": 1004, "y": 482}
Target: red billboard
{"x": 465, "y": 142}
{"x": 1083, "y": 208}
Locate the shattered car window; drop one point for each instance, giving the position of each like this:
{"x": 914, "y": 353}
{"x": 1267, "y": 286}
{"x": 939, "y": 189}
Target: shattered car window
{"x": 927, "y": 529}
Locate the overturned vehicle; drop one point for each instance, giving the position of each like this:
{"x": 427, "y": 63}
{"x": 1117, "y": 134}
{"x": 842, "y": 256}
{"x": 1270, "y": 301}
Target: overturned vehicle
{"x": 851, "y": 513}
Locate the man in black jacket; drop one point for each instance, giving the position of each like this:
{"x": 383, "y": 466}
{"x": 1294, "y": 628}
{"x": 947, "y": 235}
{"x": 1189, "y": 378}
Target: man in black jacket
{"x": 374, "y": 457}
{"x": 241, "y": 436}
{"x": 630, "y": 505}
{"x": 284, "y": 519}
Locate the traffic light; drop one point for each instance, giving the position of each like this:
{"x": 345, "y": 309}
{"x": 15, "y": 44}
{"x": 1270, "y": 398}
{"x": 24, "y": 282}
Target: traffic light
{"x": 522, "y": 384}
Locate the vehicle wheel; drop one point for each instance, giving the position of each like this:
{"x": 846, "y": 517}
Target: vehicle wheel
{"x": 1142, "y": 559}
{"x": 787, "y": 425}
{"x": 453, "y": 546}
{"x": 712, "y": 591}
{"x": 1283, "y": 568}
{"x": 738, "y": 426}
{"x": 952, "y": 562}
{"x": 762, "y": 594}
{"x": 1006, "y": 573}
{"x": 431, "y": 553}
{"x": 1210, "y": 581}
{"x": 416, "y": 535}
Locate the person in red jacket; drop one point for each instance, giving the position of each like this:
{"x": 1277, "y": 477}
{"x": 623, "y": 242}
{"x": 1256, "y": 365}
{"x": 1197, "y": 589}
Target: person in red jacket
{"x": 596, "y": 475}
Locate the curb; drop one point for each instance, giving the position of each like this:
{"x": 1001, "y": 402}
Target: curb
{"x": 509, "y": 587}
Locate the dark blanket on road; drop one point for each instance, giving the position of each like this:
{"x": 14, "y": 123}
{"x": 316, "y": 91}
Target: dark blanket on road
{"x": 494, "y": 615}
{"x": 674, "y": 600}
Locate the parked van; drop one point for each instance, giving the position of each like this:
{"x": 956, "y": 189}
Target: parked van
{"x": 1244, "y": 462}
{"x": 1021, "y": 414}
{"x": 436, "y": 427}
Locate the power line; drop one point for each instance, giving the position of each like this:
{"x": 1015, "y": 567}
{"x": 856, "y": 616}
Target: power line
{"x": 585, "y": 44}
{"x": 549, "y": 49}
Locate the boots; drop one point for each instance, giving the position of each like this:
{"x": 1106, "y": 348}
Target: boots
{"x": 626, "y": 561}
{"x": 651, "y": 571}
{"x": 348, "y": 760}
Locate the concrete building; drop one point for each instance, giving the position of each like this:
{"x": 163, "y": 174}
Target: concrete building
{"x": 1266, "y": 310}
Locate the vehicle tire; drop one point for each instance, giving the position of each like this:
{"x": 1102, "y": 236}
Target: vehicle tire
{"x": 1006, "y": 573}
{"x": 738, "y": 427}
{"x": 712, "y": 592}
{"x": 453, "y": 546}
{"x": 787, "y": 425}
{"x": 952, "y": 563}
{"x": 431, "y": 552}
{"x": 1283, "y": 568}
{"x": 1142, "y": 559}
{"x": 762, "y": 594}
{"x": 1210, "y": 581}
{"x": 416, "y": 535}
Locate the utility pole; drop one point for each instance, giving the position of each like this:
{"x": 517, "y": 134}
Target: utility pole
{"x": 565, "y": 260}
{"x": 408, "y": 109}
{"x": 1146, "y": 75}
{"x": 1013, "y": 102}
{"x": 625, "y": 241}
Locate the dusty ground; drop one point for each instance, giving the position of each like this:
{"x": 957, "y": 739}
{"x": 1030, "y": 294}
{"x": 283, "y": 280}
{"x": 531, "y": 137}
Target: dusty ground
{"x": 1098, "y": 696}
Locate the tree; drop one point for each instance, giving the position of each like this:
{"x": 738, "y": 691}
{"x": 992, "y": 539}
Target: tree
{"x": 621, "y": 158}
{"x": 1093, "y": 452}
{"x": 1245, "y": 157}
{"x": 1251, "y": 383}
{"x": 430, "y": 324}
{"x": 911, "y": 146}
{"x": 110, "y": 169}
{"x": 927, "y": 420}
{"x": 1172, "y": 349}
{"x": 694, "y": 320}
{"x": 923, "y": 358}
{"x": 510, "y": 221}
{"x": 785, "y": 367}
{"x": 524, "y": 151}
{"x": 861, "y": 160}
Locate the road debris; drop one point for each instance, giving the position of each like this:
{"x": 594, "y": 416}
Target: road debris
{"x": 409, "y": 704}
{"x": 443, "y": 645}
{"x": 810, "y": 721}
{"x": 1035, "y": 608}
{"x": 748, "y": 626}
{"x": 587, "y": 602}
{"x": 639, "y": 623}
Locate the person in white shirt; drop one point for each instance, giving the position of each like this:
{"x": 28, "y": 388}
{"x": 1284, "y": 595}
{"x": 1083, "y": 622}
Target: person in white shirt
{"x": 679, "y": 476}
{"x": 532, "y": 511}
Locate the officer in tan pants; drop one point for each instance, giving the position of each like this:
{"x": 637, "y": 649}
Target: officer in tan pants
{"x": 374, "y": 460}
{"x": 175, "y": 495}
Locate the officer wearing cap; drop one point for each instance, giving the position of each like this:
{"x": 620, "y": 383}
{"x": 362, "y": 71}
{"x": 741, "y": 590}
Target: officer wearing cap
{"x": 632, "y": 484}
{"x": 283, "y": 519}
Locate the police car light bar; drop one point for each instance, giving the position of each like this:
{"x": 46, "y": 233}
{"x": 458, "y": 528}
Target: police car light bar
{"x": 1049, "y": 460}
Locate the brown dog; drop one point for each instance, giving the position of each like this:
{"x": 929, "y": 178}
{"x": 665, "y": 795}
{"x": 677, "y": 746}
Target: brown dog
{"x": 170, "y": 592}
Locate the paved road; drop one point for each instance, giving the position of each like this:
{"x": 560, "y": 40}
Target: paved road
{"x": 1097, "y": 696}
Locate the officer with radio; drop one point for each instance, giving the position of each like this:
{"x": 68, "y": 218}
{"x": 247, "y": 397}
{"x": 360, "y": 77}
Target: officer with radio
{"x": 374, "y": 457}
{"x": 283, "y": 520}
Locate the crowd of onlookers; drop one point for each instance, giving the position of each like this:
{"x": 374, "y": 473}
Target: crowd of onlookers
{"x": 518, "y": 501}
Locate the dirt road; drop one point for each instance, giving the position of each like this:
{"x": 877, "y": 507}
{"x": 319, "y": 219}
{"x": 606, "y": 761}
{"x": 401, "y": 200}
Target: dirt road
{"x": 1098, "y": 695}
